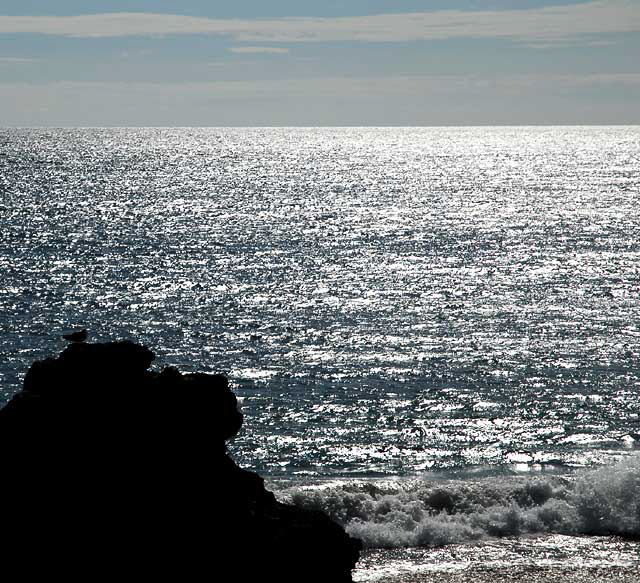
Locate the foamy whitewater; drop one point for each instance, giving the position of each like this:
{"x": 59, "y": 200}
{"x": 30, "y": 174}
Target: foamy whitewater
{"x": 434, "y": 333}
{"x": 436, "y": 512}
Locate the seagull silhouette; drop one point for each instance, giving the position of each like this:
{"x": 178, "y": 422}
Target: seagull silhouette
{"x": 80, "y": 336}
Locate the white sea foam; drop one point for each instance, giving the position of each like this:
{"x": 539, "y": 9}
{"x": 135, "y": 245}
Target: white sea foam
{"x": 412, "y": 513}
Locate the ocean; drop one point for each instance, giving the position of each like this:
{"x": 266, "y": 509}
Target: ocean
{"x": 434, "y": 333}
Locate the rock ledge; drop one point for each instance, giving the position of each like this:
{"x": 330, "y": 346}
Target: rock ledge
{"x": 110, "y": 469}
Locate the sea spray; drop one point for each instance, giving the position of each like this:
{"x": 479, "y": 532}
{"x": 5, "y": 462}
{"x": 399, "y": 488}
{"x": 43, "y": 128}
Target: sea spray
{"x": 608, "y": 499}
{"x": 410, "y": 513}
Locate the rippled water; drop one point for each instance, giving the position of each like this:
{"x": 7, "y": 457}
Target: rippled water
{"x": 388, "y": 302}
{"x": 550, "y": 559}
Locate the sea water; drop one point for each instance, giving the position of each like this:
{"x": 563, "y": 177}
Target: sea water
{"x": 434, "y": 333}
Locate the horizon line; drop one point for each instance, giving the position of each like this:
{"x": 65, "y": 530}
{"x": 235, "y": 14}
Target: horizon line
{"x": 300, "y": 126}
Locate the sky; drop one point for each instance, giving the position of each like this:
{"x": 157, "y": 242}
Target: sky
{"x": 312, "y": 62}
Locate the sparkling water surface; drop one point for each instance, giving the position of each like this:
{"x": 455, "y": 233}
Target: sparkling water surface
{"x": 406, "y": 303}
{"x": 558, "y": 559}
{"x": 386, "y": 300}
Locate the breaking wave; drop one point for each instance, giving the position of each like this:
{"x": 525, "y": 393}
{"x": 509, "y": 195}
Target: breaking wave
{"x": 414, "y": 513}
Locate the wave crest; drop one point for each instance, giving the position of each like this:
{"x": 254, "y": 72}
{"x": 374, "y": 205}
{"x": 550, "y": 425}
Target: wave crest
{"x": 435, "y": 513}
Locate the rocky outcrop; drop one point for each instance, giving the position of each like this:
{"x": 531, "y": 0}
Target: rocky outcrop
{"x": 112, "y": 470}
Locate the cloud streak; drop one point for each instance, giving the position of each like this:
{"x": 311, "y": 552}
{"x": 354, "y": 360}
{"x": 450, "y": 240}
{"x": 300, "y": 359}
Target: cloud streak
{"x": 337, "y": 86}
{"x": 526, "y": 25}
{"x": 15, "y": 60}
{"x": 258, "y": 50}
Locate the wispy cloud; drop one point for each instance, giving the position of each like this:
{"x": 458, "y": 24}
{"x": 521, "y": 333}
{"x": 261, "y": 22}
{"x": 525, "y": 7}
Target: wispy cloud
{"x": 527, "y": 25}
{"x": 569, "y": 44}
{"x": 15, "y": 60}
{"x": 258, "y": 50}
{"x": 335, "y": 86}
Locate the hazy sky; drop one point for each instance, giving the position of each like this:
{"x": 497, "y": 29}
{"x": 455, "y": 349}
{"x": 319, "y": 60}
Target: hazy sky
{"x": 312, "y": 62}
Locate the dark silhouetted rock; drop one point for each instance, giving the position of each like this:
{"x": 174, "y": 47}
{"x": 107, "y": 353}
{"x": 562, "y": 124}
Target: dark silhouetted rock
{"x": 110, "y": 470}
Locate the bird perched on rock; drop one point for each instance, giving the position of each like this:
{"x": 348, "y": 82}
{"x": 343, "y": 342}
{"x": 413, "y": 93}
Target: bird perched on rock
{"x": 79, "y": 336}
